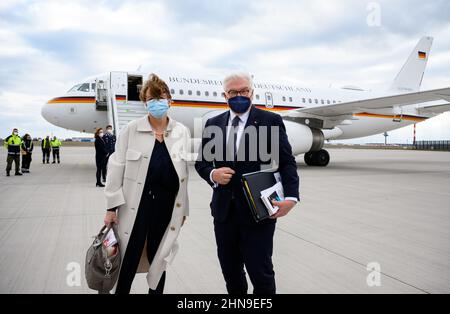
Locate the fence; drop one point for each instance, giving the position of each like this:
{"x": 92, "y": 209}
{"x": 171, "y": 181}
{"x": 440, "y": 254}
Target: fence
{"x": 432, "y": 145}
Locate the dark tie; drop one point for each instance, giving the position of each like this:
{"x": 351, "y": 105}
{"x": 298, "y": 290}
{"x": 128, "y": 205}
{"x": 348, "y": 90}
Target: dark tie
{"x": 232, "y": 140}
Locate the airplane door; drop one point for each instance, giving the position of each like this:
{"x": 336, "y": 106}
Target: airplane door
{"x": 119, "y": 83}
{"x": 269, "y": 100}
{"x": 101, "y": 95}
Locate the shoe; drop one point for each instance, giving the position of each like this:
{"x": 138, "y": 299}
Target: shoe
{"x": 100, "y": 185}
{"x": 7, "y": 174}
{"x": 54, "y": 162}
{"x": 59, "y": 162}
{"x": 48, "y": 162}
{"x": 18, "y": 174}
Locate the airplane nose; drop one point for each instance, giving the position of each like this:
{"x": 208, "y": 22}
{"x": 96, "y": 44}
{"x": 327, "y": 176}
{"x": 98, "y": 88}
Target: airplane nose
{"x": 47, "y": 113}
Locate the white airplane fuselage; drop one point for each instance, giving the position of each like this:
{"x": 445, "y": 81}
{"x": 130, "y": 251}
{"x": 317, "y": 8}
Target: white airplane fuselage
{"x": 200, "y": 98}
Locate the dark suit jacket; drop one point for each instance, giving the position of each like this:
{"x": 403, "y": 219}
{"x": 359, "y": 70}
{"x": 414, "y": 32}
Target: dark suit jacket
{"x": 223, "y": 195}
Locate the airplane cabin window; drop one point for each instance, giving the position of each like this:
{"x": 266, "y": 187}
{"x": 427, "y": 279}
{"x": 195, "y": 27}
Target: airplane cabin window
{"x": 84, "y": 87}
{"x": 316, "y": 101}
{"x": 206, "y": 94}
{"x": 284, "y": 98}
{"x": 328, "y": 102}
{"x": 199, "y": 93}
{"x": 310, "y": 100}
{"x": 93, "y": 86}
{"x": 290, "y": 99}
{"x": 322, "y": 102}
{"x": 257, "y": 97}
{"x": 172, "y": 91}
{"x": 303, "y": 100}
{"x": 189, "y": 92}
{"x": 181, "y": 92}
{"x": 215, "y": 94}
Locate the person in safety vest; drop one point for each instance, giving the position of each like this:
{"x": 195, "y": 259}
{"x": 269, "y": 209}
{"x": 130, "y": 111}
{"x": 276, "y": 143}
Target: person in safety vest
{"x": 56, "y": 145}
{"x": 45, "y": 145}
{"x": 12, "y": 144}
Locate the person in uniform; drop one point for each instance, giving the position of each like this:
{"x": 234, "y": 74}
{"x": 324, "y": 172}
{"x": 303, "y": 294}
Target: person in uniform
{"x": 45, "y": 145}
{"x": 12, "y": 144}
{"x": 55, "y": 145}
{"x": 27, "y": 150}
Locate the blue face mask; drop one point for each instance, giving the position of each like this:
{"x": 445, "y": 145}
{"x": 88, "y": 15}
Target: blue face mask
{"x": 239, "y": 104}
{"x": 158, "y": 107}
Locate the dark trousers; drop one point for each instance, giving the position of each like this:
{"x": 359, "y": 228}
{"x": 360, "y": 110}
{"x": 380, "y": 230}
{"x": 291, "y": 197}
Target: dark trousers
{"x": 101, "y": 170}
{"x": 55, "y": 152}
{"x": 10, "y": 159}
{"x": 45, "y": 155}
{"x": 150, "y": 225}
{"x": 246, "y": 244}
{"x": 26, "y": 161}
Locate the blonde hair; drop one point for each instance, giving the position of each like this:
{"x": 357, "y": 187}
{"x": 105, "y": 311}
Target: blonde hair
{"x": 157, "y": 88}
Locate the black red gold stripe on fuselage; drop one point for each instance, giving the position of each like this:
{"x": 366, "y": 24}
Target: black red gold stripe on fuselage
{"x": 80, "y": 99}
{"x": 224, "y": 106}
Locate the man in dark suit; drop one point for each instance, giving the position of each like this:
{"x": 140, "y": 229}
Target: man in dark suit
{"x": 227, "y": 152}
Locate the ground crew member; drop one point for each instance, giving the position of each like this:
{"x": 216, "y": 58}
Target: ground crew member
{"x": 12, "y": 144}
{"x": 27, "y": 150}
{"x": 56, "y": 145}
{"x": 45, "y": 145}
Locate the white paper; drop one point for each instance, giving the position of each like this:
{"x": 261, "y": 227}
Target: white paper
{"x": 275, "y": 192}
{"x": 110, "y": 239}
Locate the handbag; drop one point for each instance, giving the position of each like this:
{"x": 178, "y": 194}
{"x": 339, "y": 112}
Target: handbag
{"x": 103, "y": 260}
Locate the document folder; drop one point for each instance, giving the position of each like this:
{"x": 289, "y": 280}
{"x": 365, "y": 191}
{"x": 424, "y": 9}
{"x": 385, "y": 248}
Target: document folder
{"x": 255, "y": 182}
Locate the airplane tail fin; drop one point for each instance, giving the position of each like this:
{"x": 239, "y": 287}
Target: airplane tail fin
{"x": 410, "y": 76}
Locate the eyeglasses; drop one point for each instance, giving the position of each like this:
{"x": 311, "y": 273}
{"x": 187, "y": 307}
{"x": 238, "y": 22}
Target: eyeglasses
{"x": 233, "y": 93}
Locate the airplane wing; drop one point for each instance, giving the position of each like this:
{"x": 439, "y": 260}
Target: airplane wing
{"x": 349, "y": 108}
{"x": 434, "y": 109}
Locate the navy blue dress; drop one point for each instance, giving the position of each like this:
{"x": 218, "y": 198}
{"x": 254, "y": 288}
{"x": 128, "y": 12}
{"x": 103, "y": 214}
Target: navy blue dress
{"x": 153, "y": 216}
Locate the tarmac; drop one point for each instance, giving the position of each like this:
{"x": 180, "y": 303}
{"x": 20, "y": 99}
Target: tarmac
{"x": 389, "y": 207}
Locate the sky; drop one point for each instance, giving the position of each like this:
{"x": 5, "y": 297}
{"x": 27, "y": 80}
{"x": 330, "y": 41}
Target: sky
{"x": 47, "y": 46}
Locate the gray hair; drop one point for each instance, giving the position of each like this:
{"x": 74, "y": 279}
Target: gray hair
{"x": 237, "y": 75}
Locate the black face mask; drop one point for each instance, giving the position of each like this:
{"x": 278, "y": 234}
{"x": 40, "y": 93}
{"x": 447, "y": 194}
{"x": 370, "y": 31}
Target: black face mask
{"x": 239, "y": 104}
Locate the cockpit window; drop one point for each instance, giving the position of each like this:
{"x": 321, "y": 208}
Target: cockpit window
{"x": 74, "y": 88}
{"x": 84, "y": 87}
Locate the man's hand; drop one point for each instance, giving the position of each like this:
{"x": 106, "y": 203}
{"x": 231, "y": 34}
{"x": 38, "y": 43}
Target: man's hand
{"x": 223, "y": 175}
{"x": 284, "y": 208}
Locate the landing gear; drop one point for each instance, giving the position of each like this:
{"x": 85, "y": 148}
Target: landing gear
{"x": 320, "y": 158}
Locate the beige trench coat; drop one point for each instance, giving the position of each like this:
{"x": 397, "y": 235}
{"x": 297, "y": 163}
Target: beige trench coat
{"x": 127, "y": 170}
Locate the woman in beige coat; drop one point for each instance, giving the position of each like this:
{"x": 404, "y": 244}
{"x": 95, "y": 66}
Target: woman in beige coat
{"x": 146, "y": 189}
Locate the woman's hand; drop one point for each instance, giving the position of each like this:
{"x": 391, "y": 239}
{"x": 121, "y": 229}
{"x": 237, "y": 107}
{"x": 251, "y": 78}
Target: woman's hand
{"x": 110, "y": 217}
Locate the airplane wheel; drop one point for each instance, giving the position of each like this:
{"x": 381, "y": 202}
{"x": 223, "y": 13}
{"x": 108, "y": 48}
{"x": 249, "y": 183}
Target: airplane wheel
{"x": 322, "y": 158}
{"x": 309, "y": 160}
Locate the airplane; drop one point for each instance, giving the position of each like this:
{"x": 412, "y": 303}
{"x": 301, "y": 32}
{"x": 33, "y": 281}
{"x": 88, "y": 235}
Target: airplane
{"x": 311, "y": 115}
